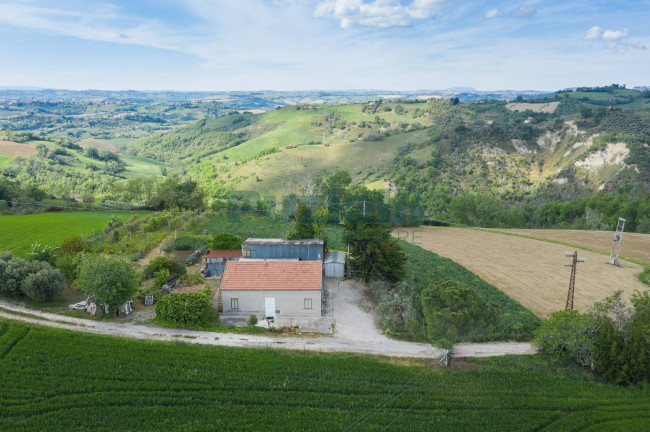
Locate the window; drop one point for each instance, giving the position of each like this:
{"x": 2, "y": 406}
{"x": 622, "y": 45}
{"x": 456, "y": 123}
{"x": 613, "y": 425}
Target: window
{"x": 246, "y": 253}
{"x": 234, "y": 303}
{"x": 307, "y": 303}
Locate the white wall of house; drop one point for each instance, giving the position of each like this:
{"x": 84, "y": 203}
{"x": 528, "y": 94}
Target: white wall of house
{"x": 290, "y": 303}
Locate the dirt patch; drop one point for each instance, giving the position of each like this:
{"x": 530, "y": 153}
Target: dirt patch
{"x": 531, "y": 271}
{"x": 90, "y": 142}
{"x": 10, "y": 148}
{"x": 612, "y": 154}
{"x": 635, "y": 245}
{"x": 548, "y": 107}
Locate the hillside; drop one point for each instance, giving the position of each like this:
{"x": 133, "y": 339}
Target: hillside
{"x": 563, "y": 146}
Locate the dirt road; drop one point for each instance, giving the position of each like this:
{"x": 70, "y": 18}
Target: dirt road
{"x": 350, "y": 336}
{"x": 530, "y": 271}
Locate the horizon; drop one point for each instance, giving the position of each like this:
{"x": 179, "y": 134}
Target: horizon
{"x": 295, "y": 45}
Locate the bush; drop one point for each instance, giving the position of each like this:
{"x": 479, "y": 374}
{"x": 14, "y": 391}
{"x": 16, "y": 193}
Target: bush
{"x": 43, "y": 285}
{"x": 184, "y": 308}
{"x": 226, "y": 241}
{"x": 252, "y": 321}
{"x": 453, "y": 312}
{"x": 160, "y": 278}
{"x": 74, "y": 245}
{"x": 184, "y": 243}
{"x": 68, "y": 265}
{"x": 163, "y": 263}
{"x": 36, "y": 280}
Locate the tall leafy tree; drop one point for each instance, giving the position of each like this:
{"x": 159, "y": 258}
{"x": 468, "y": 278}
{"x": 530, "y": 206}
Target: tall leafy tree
{"x": 374, "y": 254}
{"x": 304, "y": 227}
{"x": 111, "y": 280}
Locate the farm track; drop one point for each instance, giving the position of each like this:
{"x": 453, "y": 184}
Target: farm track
{"x": 392, "y": 348}
{"x": 529, "y": 270}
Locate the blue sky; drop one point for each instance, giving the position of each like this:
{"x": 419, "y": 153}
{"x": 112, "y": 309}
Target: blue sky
{"x": 323, "y": 44}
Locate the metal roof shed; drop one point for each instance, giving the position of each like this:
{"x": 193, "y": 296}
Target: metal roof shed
{"x": 334, "y": 264}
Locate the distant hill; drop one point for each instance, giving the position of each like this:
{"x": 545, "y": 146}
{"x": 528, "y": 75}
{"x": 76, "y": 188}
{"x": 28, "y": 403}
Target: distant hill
{"x": 565, "y": 145}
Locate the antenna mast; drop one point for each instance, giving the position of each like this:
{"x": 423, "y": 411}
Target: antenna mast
{"x": 618, "y": 239}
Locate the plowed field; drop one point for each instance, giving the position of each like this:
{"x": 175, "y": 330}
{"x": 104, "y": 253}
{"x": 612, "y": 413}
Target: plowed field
{"x": 530, "y": 271}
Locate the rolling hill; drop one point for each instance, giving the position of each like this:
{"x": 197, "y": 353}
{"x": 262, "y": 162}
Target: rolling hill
{"x": 567, "y": 145}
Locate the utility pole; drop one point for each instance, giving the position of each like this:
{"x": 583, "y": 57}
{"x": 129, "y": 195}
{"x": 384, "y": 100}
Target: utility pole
{"x": 618, "y": 239}
{"x": 572, "y": 282}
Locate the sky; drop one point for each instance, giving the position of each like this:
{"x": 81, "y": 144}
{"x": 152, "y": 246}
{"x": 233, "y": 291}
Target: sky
{"x": 215, "y": 45}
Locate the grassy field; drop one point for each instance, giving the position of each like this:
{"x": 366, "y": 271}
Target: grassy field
{"x": 17, "y": 233}
{"x": 5, "y": 160}
{"x": 138, "y": 166}
{"x": 61, "y": 380}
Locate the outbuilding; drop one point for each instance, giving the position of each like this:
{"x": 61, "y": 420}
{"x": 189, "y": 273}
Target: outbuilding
{"x": 334, "y": 264}
{"x": 304, "y": 250}
{"x": 272, "y": 288}
{"x": 215, "y": 261}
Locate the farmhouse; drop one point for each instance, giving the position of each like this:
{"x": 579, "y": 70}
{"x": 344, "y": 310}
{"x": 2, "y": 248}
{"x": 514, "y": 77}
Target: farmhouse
{"x": 272, "y": 288}
{"x": 334, "y": 264}
{"x": 304, "y": 250}
{"x": 215, "y": 261}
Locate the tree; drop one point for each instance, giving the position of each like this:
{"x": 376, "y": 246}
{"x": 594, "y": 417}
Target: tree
{"x": 111, "y": 280}
{"x": 374, "y": 254}
{"x": 452, "y": 312}
{"x": 612, "y": 338}
{"x": 226, "y": 241}
{"x": 304, "y": 226}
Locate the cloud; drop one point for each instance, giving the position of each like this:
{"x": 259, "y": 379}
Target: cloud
{"x": 101, "y": 25}
{"x": 493, "y": 13}
{"x": 611, "y": 35}
{"x": 614, "y": 34}
{"x": 376, "y": 13}
{"x": 594, "y": 33}
{"x": 524, "y": 11}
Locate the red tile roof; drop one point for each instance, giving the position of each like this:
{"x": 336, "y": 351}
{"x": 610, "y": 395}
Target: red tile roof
{"x": 273, "y": 275}
{"x": 188, "y": 289}
{"x": 224, "y": 254}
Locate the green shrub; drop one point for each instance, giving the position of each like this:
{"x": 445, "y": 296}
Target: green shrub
{"x": 184, "y": 243}
{"x": 184, "y": 308}
{"x": 160, "y": 278}
{"x": 162, "y": 262}
{"x": 36, "y": 280}
{"x": 252, "y": 321}
{"x": 226, "y": 241}
{"x": 453, "y": 312}
{"x": 43, "y": 285}
{"x": 68, "y": 264}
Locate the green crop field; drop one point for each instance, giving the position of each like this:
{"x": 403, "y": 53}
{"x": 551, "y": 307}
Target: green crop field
{"x": 62, "y": 380}
{"x": 138, "y": 166}
{"x": 17, "y": 233}
{"x": 5, "y": 161}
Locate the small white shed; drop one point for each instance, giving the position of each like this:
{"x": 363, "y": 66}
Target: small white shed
{"x": 334, "y": 264}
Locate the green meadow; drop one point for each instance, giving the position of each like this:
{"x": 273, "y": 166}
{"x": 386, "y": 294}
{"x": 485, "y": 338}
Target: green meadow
{"x": 18, "y": 233}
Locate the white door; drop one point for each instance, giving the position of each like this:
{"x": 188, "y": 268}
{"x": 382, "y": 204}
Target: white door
{"x": 269, "y": 307}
